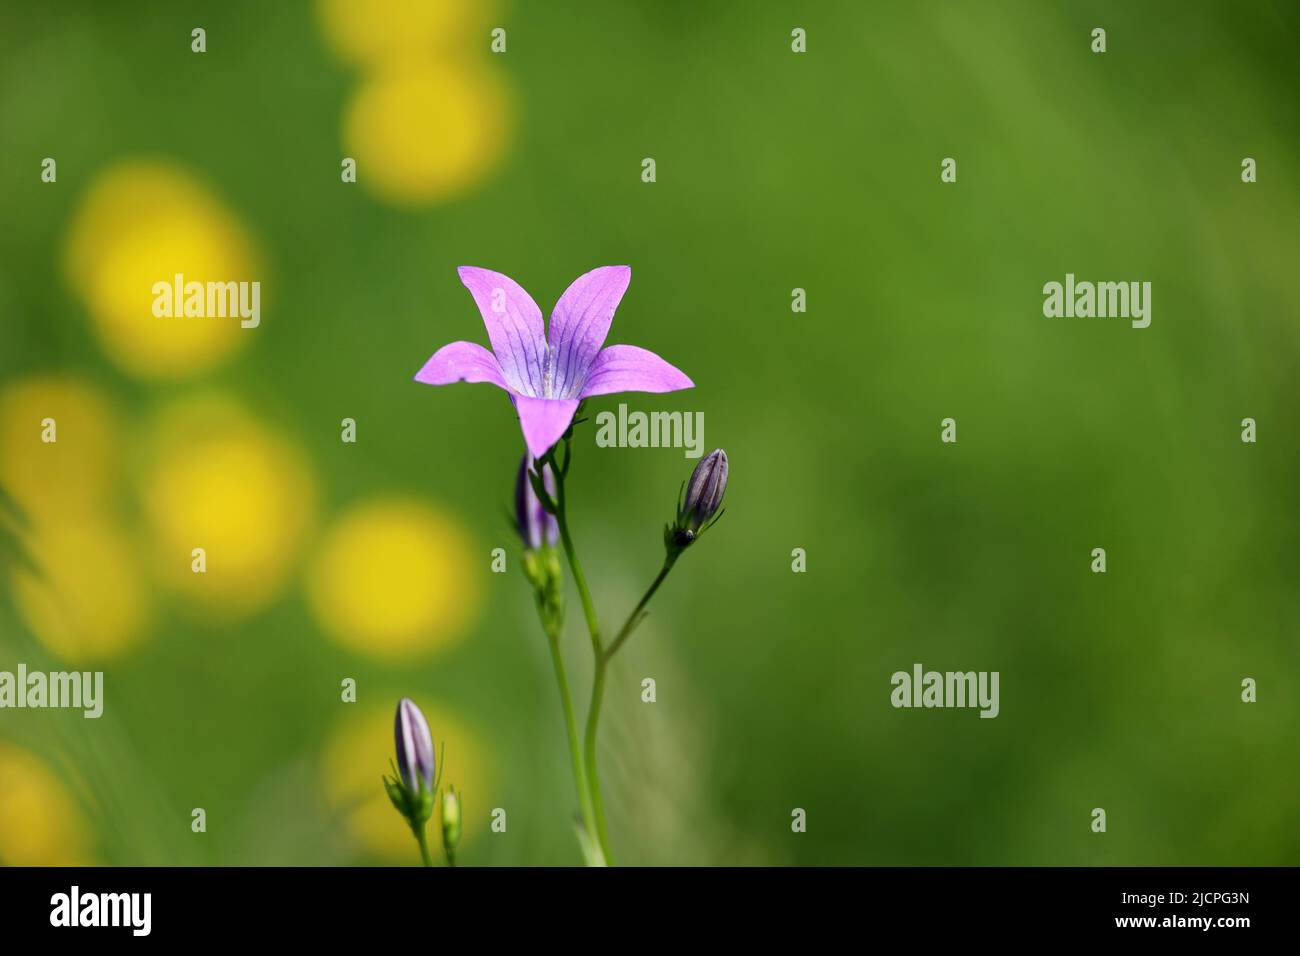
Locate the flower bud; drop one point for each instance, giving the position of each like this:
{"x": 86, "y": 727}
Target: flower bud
{"x": 535, "y": 525}
{"x": 704, "y": 492}
{"x": 450, "y": 819}
{"x": 414, "y": 746}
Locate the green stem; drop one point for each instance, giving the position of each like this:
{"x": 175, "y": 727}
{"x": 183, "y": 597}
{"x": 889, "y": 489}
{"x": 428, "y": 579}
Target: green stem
{"x": 635, "y": 617}
{"x": 597, "y": 697}
{"x": 598, "y": 654}
{"x": 598, "y": 691}
{"x": 593, "y": 777}
{"x": 571, "y": 730}
{"x": 424, "y": 847}
{"x": 580, "y": 579}
{"x": 601, "y": 655}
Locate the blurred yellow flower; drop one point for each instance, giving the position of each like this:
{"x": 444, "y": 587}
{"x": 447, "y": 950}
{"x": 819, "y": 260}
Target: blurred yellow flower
{"x": 394, "y": 577}
{"x": 219, "y": 480}
{"x": 423, "y": 132}
{"x": 376, "y": 31}
{"x": 40, "y": 823}
{"x": 73, "y": 473}
{"x": 87, "y": 599}
{"x": 142, "y": 223}
{"x": 359, "y": 753}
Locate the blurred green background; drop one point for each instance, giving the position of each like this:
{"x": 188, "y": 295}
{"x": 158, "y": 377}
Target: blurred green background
{"x": 775, "y": 170}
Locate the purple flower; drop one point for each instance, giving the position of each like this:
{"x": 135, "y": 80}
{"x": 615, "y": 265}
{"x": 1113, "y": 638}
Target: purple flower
{"x": 536, "y": 527}
{"x": 414, "y": 746}
{"x": 548, "y": 372}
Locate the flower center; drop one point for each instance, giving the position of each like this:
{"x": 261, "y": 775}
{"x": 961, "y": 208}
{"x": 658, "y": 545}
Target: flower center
{"x": 548, "y": 373}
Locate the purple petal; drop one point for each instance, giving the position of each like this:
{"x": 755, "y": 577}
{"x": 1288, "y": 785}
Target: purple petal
{"x": 514, "y": 326}
{"x": 461, "y": 362}
{"x": 579, "y": 323}
{"x": 543, "y": 420}
{"x": 628, "y": 368}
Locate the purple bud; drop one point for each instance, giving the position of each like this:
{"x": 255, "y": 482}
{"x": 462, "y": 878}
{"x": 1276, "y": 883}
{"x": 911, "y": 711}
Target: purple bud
{"x": 705, "y": 490}
{"x": 414, "y": 746}
{"x": 535, "y": 526}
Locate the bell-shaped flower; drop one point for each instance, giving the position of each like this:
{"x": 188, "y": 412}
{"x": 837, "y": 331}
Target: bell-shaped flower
{"x": 548, "y": 371}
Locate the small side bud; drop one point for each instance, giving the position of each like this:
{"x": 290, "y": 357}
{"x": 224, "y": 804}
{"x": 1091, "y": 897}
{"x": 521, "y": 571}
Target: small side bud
{"x": 450, "y": 823}
{"x": 700, "y": 507}
{"x": 704, "y": 491}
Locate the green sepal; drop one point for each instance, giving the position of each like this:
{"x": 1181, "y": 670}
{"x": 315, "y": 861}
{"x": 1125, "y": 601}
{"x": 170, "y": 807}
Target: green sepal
{"x": 396, "y": 793}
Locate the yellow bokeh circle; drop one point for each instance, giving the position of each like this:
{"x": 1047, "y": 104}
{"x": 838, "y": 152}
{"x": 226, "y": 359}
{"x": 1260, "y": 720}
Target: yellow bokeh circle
{"x": 378, "y": 31}
{"x": 40, "y": 823}
{"x": 219, "y": 479}
{"x": 72, "y": 473}
{"x": 422, "y": 132}
{"x": 360, "y": 752}
{"x": 142, "y": 223}
{"x": 393, "y": 578}
{"x": 86, "y": 598}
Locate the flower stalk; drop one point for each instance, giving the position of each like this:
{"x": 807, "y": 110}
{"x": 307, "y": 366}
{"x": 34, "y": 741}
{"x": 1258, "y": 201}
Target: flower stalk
{"x": 600, "y": 829}
{"x": 535, "y": 510}
{"x": 698, "y": 510}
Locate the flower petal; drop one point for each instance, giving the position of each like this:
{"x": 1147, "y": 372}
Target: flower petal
{"x": 514, "y": 326}
{"x": 579, "y": 323}
{"x": 628, "y": 368}
{"x": 461, "y": 362}
{"x": 543, "y": 420}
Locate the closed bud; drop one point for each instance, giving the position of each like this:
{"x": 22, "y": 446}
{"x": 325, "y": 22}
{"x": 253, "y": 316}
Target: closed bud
{"x": 704, "y": 493}
{"x": 414, "y": 747}
{"x": 537, "y": 527}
